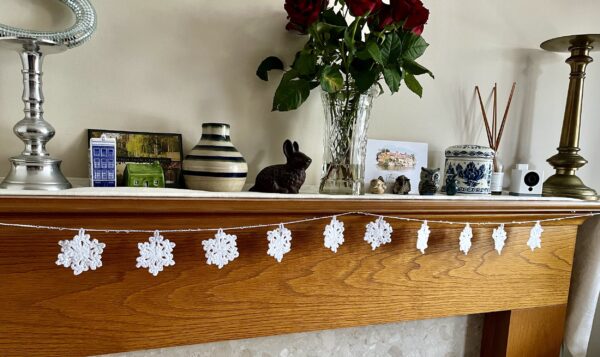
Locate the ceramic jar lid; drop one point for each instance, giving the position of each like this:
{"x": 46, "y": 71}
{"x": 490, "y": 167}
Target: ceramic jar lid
{"x": 473, "y": 151}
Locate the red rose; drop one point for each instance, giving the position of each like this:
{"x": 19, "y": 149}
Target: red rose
{"x": 418, "y": 17}
{"x": 303, "y": 13}
{"x": 384, "y": 18}
{"x": 362, "y": 7}
{"x": 412, "y": 12}
{"x": 400, "y": 9}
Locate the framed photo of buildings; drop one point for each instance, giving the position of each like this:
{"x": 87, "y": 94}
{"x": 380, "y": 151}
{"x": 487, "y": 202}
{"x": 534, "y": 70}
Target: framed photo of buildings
{"x": 390, "y": 159}
{"x": 140, "y": 147}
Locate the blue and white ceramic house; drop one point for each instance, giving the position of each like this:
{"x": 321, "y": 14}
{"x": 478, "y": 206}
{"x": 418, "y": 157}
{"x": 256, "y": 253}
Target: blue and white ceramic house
{"x": 214, "y": 164}
{"x": 472, "y": 166}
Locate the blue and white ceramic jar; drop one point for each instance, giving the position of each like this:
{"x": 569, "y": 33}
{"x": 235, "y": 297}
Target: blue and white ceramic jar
{"x": 472, "y": 166}
{"x": 214, "y": 164}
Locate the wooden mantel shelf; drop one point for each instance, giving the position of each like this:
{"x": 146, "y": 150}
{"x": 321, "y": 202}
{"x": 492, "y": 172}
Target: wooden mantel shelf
{"x": 120, "y": 201}
{"x": 47, "y": 311}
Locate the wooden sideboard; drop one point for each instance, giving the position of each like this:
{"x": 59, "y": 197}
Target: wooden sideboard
{"x": 47, "y": 311}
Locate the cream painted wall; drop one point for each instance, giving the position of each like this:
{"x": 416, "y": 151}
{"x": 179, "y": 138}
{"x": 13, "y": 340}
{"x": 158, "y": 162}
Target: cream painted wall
{"x": 171, "y": 65}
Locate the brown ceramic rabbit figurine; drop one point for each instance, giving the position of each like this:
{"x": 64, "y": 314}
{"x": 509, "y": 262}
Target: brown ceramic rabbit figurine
{"x": 287, "y": 178}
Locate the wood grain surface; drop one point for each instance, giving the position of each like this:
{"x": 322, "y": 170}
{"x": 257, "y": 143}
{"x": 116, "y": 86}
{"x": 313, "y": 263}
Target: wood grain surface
{"x": 95, "y": 205}
{"x": 524, "y": 332}
{"x": 46, "y": 311}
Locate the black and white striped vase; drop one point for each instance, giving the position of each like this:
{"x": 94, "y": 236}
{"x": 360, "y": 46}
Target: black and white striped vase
{"x": 214, "y": 164}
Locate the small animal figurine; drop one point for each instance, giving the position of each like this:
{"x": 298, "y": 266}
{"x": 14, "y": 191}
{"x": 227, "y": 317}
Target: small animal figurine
{"x": 286, "y": 178}
{"x": 451, "y": 183}
{"x": 430, "y": 181}
{"x": 402, "y": 186}
{"x": 378, "y": 186}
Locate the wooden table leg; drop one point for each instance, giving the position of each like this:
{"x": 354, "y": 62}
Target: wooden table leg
{"x": 528, "y": 332}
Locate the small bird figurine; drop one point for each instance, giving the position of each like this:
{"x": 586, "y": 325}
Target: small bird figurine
{"x": 378, "y": 186}
{"x": 402, "y": 185}
{"x": 430, "y": 181}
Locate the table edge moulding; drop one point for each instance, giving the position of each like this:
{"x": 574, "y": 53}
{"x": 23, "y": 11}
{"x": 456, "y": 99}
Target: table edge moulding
{"x": 49, "y": 311}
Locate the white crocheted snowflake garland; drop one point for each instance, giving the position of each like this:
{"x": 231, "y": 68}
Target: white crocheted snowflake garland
{"x": 465, "y": 239}
{"x": 535, "y": 237}
{"x": 155, "y": 254}
{"x": 334, "y": 235}
{"x": 80, "y": 253}
{"x": 280, "y": 242}
{"x": 423, "y": 237}
{"x": 221, "y": 250}
{"x": 499, "y": 236}
{"x": 378, "y": 233}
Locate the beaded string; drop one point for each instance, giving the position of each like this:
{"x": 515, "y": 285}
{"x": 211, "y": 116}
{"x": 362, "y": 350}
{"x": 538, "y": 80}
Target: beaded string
{"x": 299, "y": 221}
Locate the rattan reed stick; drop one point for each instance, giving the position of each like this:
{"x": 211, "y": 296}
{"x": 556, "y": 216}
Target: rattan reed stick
{"x": 485, "y": 119}
{"x": 512, "y": 91}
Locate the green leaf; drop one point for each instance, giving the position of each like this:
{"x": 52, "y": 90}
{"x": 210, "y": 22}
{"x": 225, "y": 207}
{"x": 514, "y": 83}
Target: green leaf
{"x": 331, "y": 79}
{"x": 365, "y": 79}
{"x": 290, "y": 94}
{"x": 363, "y": 54}
{"x": 391, "y": 48}
{"x": 361, "y": 65}
{"x": 334, "y": 18}
{"x": 413, "y": 84}
{"x": 414, "y": 47}
{"x": 413, "y": 67}
{"x": 268, "y": 64}
{"x": 325, "y": 28}
{"x": 374, "y": 51}
{"x": 392, "y": 78}
{"x": 305, "y": 63}
{"x": 290, "y": 75}
{"x": 313, "y": 84}
{"x": 349, "y": 40}
{"x": 350, "y": 34}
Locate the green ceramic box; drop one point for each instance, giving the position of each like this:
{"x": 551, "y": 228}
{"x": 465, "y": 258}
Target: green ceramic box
{"x": 144, "y": 175}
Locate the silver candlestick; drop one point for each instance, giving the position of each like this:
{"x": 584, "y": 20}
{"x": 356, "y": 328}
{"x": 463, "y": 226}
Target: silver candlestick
{"x": 34, "y": 169}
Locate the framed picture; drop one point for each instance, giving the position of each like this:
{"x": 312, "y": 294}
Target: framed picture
{"x": 390, "y": 159}
{"x": 139, "y": 147}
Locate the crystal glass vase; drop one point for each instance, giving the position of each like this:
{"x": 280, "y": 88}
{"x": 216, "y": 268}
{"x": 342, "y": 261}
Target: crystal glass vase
{"x": 345, "y": 143}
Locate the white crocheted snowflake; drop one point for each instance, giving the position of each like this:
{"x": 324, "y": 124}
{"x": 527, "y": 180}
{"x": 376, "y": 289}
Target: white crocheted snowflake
{"x": 465, "y": 239}
{"x": 499, "y": 237}
{"x": 155, "y": 254}
{"x": 378, "y": 233}
{"x": 334, "y": 235}
{"x": 221, "y": 250}
{"x": 280, "y": 242}
{"x": 423, "y": 237}
{"x": 535, "y": 237}
{"x": 80, "y": 253}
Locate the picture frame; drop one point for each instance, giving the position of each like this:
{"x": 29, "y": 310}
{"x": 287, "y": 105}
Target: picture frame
{"x": 147, "y": 147}
{"x": 389, "y": 159}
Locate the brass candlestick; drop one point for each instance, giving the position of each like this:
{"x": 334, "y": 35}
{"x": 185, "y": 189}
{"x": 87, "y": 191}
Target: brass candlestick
{"x": 564, "y": 182}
